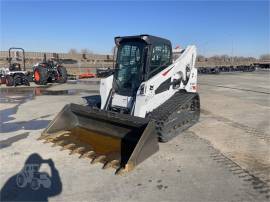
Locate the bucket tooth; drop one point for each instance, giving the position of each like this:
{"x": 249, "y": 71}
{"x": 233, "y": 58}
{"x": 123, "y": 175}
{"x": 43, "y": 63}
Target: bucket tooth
{"x": 120, "y": 171}
{"x": 47, "y": 141}
{"x": 77, "y": 150}
{"x": 72, "y": 149}
{"x": 127, "y": 168}
{"x": 60, "y": 133}
{"x": 88, "y": 154}
{"x": 60, "y": 143}
{"x": 110, "y": 164}
{"x": 82, "y": 150}
{"x": 82, "y": 154}
{"x": 68, "y": 146}
{"x": 54, "y": 135}
{"x": 42, "y": 137}
{"x": 98, "y": 159}
{"x": 65, "y": 142}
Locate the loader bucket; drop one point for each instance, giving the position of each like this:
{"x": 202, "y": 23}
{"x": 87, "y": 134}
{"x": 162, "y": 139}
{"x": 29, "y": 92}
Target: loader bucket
{"x": 117, "y": 140}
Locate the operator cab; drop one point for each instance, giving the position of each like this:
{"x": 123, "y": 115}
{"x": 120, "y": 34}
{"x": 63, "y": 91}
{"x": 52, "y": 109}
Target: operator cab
{"x": 19, "y": 63}
{"x": 139, "y": 58}
{"x": 15, "y": 67}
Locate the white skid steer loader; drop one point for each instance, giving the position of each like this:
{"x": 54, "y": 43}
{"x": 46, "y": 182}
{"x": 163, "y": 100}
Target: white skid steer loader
{"x": 148, "y": 98}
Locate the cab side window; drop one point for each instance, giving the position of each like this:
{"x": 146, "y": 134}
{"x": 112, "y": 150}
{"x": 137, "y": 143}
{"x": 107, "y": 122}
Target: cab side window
{"x": 160, "y": 58}
{"x": 156, "y": 57}
{"x": 166, "y": 55}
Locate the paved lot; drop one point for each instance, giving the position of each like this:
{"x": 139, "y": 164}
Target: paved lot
{"x": 225, "y": 157}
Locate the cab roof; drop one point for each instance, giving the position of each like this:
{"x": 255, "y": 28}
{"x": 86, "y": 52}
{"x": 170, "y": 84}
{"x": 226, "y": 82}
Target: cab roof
{"x": 148, "y": 39}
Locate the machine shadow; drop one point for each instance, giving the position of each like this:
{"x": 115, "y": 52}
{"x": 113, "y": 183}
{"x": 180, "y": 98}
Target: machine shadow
{"x": 7, "y": 126}
{"x": 9, "y": 141}
{"x": 24, "y": 125}
{"x": 30, "y": 184}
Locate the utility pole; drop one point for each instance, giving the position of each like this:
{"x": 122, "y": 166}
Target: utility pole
{"x": 232, "y": 54}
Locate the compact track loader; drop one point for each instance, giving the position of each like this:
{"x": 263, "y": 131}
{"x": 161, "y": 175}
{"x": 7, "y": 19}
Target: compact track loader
{"x": 148, "y": 98}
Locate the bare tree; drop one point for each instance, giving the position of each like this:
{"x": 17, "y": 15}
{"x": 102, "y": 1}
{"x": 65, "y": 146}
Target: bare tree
{"x": 200, "y": 58}
{"x": 265, "y": 57}
{"x": 225, "y": 58}
{"x": 86, "y": 51}
{"x": 72, "y": 51}
{"x": 214, "y": 58}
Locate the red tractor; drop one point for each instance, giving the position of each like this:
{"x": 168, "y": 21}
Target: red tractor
{"x": 49, "y": 71}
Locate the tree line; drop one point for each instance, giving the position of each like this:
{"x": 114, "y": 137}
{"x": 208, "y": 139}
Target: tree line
{"x": 200, "y": 58}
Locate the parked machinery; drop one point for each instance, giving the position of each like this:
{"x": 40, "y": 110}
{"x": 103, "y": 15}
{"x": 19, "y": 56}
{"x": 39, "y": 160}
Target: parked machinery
{"x": 49, "y": 71}
{"x": 104, "y": 72}
{"x": 16, "y": 73}
{"x": 220, "y": 69}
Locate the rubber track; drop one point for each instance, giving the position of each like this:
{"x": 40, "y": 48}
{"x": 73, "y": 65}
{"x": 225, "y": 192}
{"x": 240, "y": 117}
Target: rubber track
{"x": 177, "y": 114}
